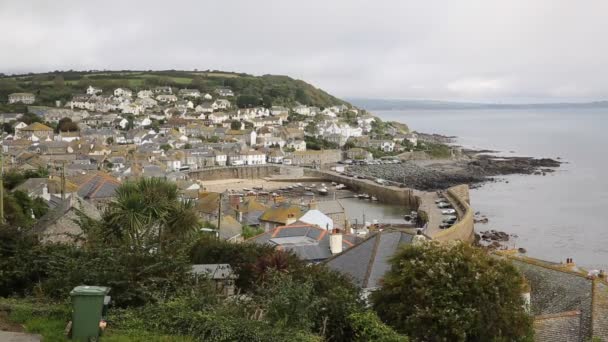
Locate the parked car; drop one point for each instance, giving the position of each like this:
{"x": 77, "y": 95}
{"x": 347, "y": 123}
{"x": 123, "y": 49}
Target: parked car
{"x": 448, "y": 211}
{"x": 444, "y": 205}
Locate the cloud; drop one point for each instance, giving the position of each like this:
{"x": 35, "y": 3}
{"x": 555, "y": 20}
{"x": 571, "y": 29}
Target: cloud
{"x": 466, "y": 50}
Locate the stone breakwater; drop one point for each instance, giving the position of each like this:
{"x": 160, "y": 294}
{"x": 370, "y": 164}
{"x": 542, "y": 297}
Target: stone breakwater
{"x": 440, "y": 175}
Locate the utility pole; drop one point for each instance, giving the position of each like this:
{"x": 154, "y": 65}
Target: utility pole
{"x": 219, "y": 216}
{"x": 63, "y": 181}
{"x": 2, "y": 182}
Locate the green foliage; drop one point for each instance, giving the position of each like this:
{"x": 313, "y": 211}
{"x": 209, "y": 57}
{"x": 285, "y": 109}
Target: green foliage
{"x": 147, "y": 214}
{"x": 235, "y": 124}
{"x": 248, "y": 101}
{"x": 436, "y": 150}
{"x": 249, "y": 231}
{"x": 166, "y": 147}
{"x": 314, "y": 143}
{"x": 368, "y": 327}
{"x": 66, "y": 125}
{"x": 14, "y": 178}
{"x": 452, "y": 292}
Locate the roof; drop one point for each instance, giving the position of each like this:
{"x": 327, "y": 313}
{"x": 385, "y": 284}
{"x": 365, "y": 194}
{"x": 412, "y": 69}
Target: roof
{"x": 309, "y": 242}
{"x": 37, "y": 126}
{"x": 316, "y": 217}
{"x": 558, "y": 327}
{"x": 280, "y": 213}
{"x": 214, "y": 271}
{"x": 557, "y": 289}
{"x": 230, "y": 228}
{"x": 95, "y": 185}
{"x": 250, "y": 204}
{"x": 368, "y": 261}
{"x": 208, "y": 202}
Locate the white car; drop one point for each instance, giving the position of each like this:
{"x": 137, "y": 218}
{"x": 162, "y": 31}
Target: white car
{"x": 443, "y": 205}
{"x": 448, "y": 211}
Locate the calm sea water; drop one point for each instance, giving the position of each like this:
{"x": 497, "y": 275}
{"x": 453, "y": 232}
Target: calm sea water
{"x": 561, "y": 215}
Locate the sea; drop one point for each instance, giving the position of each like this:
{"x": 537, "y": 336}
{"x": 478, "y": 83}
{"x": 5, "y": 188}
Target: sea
{"x": 561, "y": 215}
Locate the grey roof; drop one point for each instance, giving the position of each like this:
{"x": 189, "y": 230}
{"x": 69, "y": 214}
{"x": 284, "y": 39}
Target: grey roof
{"x": 308, "y": 242}
{"x": 368, "y": 261}
{"x": 214, "y": 271}
{"x": 556, "y": 291}
{"x": 561, "y": 327}
{"x": 252, "y": 218}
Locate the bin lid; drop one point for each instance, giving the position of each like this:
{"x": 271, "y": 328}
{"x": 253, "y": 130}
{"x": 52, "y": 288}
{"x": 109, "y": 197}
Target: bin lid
{"x": 85, "y": 290}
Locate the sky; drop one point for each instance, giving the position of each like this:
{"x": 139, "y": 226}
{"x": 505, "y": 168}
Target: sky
{"x": 468, "y": 50}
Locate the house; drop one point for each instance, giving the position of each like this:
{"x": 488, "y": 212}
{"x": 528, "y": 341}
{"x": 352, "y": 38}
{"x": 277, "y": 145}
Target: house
{"x": 567, "y": 302}
{"x": 26, "y": 98}
{"x": 221, "y": 104}
{"x": 279, "y": 110}
{"x": 207, "y": 97}
{"x": 166, "y": 98}
{"x": 302, "y": 110}
{"x": 270, "y": 141}
{"x": 253, "y": 157}
{"x": 184, "y": 104}
{"x": 224, "y": 92}
{"x": 247, "y": 136}
{"x": 307, "y": 241}
{"x": 59, "y": 225}
{"x": 123, "y": 92}
{"x": 383, "y": 145}
{"x": 93, "y": 91}
{"x": 368, "y": 261}
{"x": 276, "y": 156}
{"x": 96, "y": 187}
{"x": 218, "y": 118}
{"x": 163, "y": 90}
{"x": 279, "y": 215}
{"x": 221, "y": 274}
{"x": 296, "y": 145}
{"x": 205, "y": 107}
{"x": 312, "y": 157}
{"x": 36, "y": 131}
{"x": 194, "y": 93}
{"x": 230, "y": 229}
{"x": 145, "y": 94}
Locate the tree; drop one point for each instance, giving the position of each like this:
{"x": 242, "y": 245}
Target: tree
{"x": 246, "y": 101}
{"x": 148, "y": 213}
{"x": 59, "y": 82}
{"x": 165, "y": 147}
{"x": 66, "y": 125}
{"x": 235, "y": 124}
{"x": 452, "y": 292}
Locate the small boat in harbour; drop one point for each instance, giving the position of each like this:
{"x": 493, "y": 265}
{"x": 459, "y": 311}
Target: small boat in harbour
{"x": 322, "y": 191}
{"x": 374, "y": 198}
{"x": 306, "y": 188}
{"x": 364, "y": 196}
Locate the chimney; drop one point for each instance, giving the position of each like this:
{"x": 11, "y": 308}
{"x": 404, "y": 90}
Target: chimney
{"x": 335, "y": 241}
{"x": 239, "y": 213}
{"x": 313, "y": 205}
{"x": 291, "y": 219}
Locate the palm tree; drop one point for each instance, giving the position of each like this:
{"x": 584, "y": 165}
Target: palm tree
{"x": 149, "y": 212}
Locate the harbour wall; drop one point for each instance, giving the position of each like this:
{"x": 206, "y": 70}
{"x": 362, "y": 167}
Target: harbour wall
{"x": 464, "y": 229}
{"x": 242, "y": 172}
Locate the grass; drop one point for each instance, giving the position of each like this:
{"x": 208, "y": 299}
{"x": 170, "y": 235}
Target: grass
{"x": 50, "y": 320}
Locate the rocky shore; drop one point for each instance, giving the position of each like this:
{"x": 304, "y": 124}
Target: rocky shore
{"x": 471, "y": 168}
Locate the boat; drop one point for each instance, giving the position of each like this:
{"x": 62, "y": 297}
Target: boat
{"x": 299, "y": 185}
{"x": 306, "y": 188}
{"x": 246, "y": 189}
{"x": 374, "y": 198}
{"x": 257, "y": 188}
{"x": 340, "y": 186}
{"x": 363, "y": 196}
{"x": 290, "y": 187}
{"x": 309, "y": 193}
{"x": 322, "y": 191}
{"x": 334, "y": 183}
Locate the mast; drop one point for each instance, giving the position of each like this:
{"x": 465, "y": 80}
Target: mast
{"x": 219, "y": 215}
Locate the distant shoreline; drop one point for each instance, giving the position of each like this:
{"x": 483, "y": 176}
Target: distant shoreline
{"x": 380, "y": 104}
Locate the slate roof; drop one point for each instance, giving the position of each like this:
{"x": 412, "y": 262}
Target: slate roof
{"x": 558, "y": 327}
{"x": 367, "y": 262}
{"x": 95, "y": 185}
{"x": 230, "y": 228}
{"x": 307, "y": 241}
{"x": 279, "y": 214}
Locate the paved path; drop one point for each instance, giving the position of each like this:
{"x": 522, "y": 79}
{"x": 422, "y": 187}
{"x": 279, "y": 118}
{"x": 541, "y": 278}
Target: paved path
{"x": 6, "y": 336}
{"x": 427, "y": 204}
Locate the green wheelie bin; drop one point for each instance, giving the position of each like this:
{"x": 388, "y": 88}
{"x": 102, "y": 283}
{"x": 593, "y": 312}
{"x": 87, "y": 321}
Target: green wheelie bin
{"x": 87, "y": 307}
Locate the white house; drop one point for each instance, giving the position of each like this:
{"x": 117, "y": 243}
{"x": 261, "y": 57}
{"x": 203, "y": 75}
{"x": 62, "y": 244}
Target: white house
{"x": 93, "y": 91}
{"x": 208, "y": 97}
{"x": 123, "y": 92}
{"x": 221, "y": 104}
{"x": 297, "y": 145}
{"x": 302, "y": 110}
{"x": 166, "y": 98}
{"x": 254, "y": 157}
{"x": 145, "y": 94}
{"x": 218, "y": 118}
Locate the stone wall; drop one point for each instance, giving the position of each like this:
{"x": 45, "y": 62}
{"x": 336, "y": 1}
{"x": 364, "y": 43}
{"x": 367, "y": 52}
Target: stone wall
{"x": 464, "y": 229}
{"x": 384, "y": 193}
{"x": 231, "y": 172}
{"x": 599, "y": 315}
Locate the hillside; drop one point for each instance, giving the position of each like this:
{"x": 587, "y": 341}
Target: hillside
{"x": 265, "y": 90}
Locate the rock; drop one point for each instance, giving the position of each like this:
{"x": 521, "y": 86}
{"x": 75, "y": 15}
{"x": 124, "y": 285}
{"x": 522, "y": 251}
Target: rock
{"x": 522, "y": 250}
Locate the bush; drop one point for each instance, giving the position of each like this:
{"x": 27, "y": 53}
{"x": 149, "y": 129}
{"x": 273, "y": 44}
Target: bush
{"x": 452, "y": 292}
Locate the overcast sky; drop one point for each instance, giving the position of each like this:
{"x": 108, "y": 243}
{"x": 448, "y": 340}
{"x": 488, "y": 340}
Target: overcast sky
{"x": 478, "y": 50}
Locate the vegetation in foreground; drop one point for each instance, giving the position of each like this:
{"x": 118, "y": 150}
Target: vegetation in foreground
{"x": 144, "y": 252}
